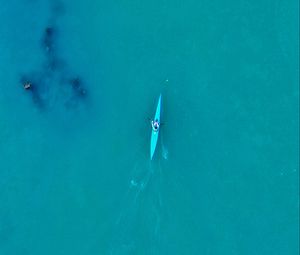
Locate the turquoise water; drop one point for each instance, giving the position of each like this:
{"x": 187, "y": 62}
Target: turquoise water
{"x": 75, "y": 175}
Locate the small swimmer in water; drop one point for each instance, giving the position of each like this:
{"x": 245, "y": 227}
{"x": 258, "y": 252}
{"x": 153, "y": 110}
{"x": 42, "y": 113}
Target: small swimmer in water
{"x": 48, "y": 39}
{"x": 33, "y": 91}
{"x": 77, "y": 87}
{"x": 27, "y": 85}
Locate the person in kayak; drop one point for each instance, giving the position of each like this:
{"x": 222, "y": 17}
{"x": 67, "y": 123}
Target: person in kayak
{"x": 155, "y": 125}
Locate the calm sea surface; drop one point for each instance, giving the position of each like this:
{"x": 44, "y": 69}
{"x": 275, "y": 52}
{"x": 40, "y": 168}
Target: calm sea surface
{"x": 75, "y": 173}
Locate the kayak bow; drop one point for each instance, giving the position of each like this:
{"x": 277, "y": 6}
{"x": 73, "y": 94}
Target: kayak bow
{"x": 154, "y": 134}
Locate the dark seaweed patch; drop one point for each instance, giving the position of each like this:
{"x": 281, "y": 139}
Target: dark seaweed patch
{"x": 31, "y": 87}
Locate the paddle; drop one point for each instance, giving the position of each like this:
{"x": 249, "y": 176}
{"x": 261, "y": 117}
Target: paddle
{"x": 161, "y": 124}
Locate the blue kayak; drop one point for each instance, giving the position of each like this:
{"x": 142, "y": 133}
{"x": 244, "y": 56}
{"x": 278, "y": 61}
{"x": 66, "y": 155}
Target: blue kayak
{"x": 154, "y": 133}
